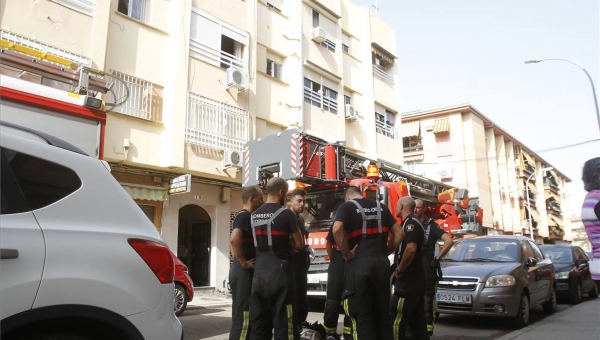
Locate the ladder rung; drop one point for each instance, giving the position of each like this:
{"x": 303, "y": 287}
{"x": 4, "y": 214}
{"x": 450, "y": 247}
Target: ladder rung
{"x": 38, "y": 54}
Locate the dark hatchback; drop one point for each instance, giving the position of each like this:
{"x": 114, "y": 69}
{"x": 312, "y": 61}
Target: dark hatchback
{"x": 501, "y": 276}
{"x": 572, "y": 272}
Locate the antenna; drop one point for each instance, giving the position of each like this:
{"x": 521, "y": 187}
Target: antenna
{"x": 375, "y": 6}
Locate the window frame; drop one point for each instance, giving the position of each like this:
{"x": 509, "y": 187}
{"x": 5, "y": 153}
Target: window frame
{"x": 316, "y": 17}
{"x": 130, "y": 9}
{"x": 276, "y": 68}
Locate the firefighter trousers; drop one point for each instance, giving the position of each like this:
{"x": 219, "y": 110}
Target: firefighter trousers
{"x": 301, "y": 286}
{"x": 240, "y": 280}
{"x": 430, "y": 304}
{"x": 407, "y": 308}
{"x": 271, "y": 300}
{"x": 367, "y": 297}
{"x": 335, "y": 289}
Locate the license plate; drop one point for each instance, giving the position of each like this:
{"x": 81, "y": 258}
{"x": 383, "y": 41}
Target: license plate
{"x": 454, "y": 298}
{"x": 313, "y": 279}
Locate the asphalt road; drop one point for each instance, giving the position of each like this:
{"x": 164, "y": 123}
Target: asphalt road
{"x": 213, "y": 324}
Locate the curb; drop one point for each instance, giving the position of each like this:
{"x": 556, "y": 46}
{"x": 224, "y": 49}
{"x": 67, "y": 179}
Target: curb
{"x": 216, "y": 305}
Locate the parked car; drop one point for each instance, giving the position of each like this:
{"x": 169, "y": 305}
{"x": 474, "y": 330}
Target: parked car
{"x": 572, "y": 268}
{"x": 80, "y": 260}
{"x": 504, "y": 276}
{"x": 594, "y": 267}
{"x": 184, "y": 286}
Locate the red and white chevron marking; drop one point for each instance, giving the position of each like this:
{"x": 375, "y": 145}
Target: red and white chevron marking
{"x": 294, "y": 160}
{"x": 301, "y": 155}
{"x": 246, "y": 165}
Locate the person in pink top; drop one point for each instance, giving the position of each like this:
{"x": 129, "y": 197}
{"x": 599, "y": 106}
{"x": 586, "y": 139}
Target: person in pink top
{"x": 590, "y": 212}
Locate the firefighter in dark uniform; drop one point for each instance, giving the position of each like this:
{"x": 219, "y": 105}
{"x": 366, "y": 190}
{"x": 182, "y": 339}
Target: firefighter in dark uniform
{"x": 335, "y": 289}
{"x": 272, "y": 296}
{"x": 301, "y": 261}
{"x": 407, "y": 305}
{"x": 431, "y": 261}
{"x": 242, "y": 268}
{"x": 361, "y": 229}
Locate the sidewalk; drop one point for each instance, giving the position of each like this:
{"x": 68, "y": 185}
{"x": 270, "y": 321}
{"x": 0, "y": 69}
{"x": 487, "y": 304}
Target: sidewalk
{"x": 204, "y": 299}
{"x": 578, "y": 322}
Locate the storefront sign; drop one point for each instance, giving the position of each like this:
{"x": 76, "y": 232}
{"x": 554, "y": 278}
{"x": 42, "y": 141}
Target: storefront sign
{"x": 180, "y": 185}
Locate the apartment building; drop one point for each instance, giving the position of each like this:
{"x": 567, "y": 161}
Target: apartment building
{"x": 580, "y": 237}
{"x": 200, "y": 79}
{"x": 461, "y": 146}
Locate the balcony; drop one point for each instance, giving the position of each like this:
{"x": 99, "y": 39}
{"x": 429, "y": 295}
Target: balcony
{"x": 550, "y": 183}
{"x": 319, "y": 100}
{"x": 216, "y": 57}
{"x": 383, "y": 75}
{"x": 413, "y": 148}
{"x": 215, "y": 125}
{"x": 144, "y": 98}
{"x": 386, "y": 129}
{"x": 526, "y": 170}
{"x": 553, "y": 207}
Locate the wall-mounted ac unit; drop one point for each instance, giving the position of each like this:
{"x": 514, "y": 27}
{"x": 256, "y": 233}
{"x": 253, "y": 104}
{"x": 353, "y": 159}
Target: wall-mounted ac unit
{"x": 351, "y": 113}
{"x": 446, "y": 171}
{"x": 318, "y": 35}
{"x": 232, "y": 159}
{"x": 238, "y": 78}
{"x": 429, "y": 127}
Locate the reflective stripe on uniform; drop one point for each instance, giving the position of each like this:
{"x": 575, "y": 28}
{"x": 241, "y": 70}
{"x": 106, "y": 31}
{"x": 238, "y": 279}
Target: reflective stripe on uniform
{"x": 353, "y": 330}
{"x": 290, "y": 316}
{"x": 347, "y": 330}
{"x": 245, "y": 325}
{"x": 269, "y": 233}
{"x": 398, "y": 319}
{"x": 330, "y": 329}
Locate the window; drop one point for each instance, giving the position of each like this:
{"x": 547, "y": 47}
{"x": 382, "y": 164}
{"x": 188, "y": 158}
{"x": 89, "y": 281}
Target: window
{"x": 273, "y": 69}
{"x": 133, "y": 8}
{"x": 275, "y": 5}
{"x": 148, "y": 210}
{"x": 347, "y": 100}
{"x": 412, "y": 143}
{"x": 315, "y": 18}
{"x": 536, "y": 251}
{"x": 384, "y": 123}
{"x": 320, "y": 96}
{"x": 41, "y": 182}
{"x": 144, "y": 101}
{"x": 527, "y": 250}
{"x": 11, "y": 200}
{"x": 329, "y": 100}
{"x": 345, "y": 42}
{"x": 328, "y": 44}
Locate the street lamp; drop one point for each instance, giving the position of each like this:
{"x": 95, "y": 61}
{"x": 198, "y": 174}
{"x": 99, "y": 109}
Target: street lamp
{"x": 586, "y": 73}
{"x": 529, "y": 204}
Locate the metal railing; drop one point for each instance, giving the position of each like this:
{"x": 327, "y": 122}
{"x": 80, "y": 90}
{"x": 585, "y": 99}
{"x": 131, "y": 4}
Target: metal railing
{"x": 386, "y": 129}
{"x": 36, "y": 45}
{"x": 317, "y": 99}
{"x": 413, "y": 148}
{"x": 386, "y": 77}
{"x": 214, "y": 124}
{"x": 220, "y": 58}
{"x": 143, "y": 102}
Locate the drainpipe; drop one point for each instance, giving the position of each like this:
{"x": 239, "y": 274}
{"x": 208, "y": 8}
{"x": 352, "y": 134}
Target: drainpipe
{"x": 301, "y": 120}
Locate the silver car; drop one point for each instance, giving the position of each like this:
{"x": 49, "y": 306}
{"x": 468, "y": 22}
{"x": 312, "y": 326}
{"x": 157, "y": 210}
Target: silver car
{"x": 502, "y": 276}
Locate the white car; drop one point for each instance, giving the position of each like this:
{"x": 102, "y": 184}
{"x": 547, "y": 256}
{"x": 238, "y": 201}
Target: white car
{"x": 79, "y": 259}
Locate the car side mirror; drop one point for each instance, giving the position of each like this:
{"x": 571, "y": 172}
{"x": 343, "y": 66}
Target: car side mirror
{"x": 531, "y": 262}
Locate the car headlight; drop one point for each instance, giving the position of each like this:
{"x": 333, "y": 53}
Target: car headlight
{"x": 500, "y": 281}
{"x": 561, "y": 275}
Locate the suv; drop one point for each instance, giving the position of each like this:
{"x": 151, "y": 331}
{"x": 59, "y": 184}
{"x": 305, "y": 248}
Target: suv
{"x": 80, "y": 260}
{"x": 504, "y": 276}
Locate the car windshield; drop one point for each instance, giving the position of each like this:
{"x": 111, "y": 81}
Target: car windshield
{"x": 558, "y": 254}
{"x": 483, "y": 251}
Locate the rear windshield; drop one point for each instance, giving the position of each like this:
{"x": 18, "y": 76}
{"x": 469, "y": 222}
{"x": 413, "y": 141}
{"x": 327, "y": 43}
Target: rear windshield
{"x": 558, "y": 254}
{"x": 483, "y": 251}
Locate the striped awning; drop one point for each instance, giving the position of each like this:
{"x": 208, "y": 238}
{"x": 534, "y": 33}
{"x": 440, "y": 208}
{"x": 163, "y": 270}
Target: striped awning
{"x": 411, "y": 129}
{"x": 533, "y": 188}
{"x": 381, "y": 54}
{"x": 529, "y": 159}
{"x": 555, "y": 220}
{"x": 414, "y": 158}
{"x": 535, "y": 215}
{"x": 145, "y": 193}
{"x": 551, "y": 195}
{"x": 441, "y": 125}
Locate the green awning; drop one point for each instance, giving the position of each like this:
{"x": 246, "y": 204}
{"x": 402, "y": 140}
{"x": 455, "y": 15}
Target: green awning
{"x": 146, "y": 193}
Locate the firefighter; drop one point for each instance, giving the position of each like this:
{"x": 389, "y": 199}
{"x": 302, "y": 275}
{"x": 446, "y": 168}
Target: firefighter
{"x": 301, "y": 261}
{"x": 407, "y": 306}
{"x": 431, "y": 261}
{"x": 272, "y": 296}
{"x": 360, "y": 229}
{"x": 242, "y": 268}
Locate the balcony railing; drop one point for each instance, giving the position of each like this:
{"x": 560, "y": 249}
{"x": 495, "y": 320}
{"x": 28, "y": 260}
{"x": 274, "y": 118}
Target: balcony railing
{"x": 215, "y": 125}
{"x": 413, "y": 148}
{"x": 386, "y": 129}
{"x": 553, "y": 206}
{"x": 217, "y": 57}
{"x": 317, "y": 99}
{"x": 550, "y": 182}
{"x": 144, "y": 100}
{"x": 386, "y": 77}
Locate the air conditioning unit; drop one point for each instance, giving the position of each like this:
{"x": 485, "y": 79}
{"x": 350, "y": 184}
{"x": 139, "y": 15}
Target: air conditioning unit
{"x": 429, "y": 127}
{"x": 232, "y": 159}
{"x": 318, "y": 35}
{"x": 351, "y": 113}
{"x": 238, "y": 78}
{"x": 446, "y": 172}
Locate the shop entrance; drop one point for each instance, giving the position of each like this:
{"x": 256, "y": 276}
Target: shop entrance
{"x": 193, "y": 244}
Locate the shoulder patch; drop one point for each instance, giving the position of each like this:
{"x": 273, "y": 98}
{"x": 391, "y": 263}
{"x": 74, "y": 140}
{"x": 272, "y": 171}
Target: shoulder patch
{"x": 410, "y": 227}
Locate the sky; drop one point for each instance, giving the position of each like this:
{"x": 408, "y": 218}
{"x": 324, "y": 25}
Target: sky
{"x": 473, "y": 51}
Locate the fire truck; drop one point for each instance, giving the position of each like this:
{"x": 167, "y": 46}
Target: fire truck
{"x": 325, "y": 169}
{"x": 50, "y": 90}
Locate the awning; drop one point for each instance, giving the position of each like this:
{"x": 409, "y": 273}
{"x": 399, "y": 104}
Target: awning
{"x": 382, "y": 55}
{"x": 411, "y": 129}
{"x": 533, "y": 188}
{"x": 441, "y": 125}
{"x": 528, "y": 158}
{"x": 414, "y": 158}
{"x": 535, "y": 215}
{"x": 556, "y": 220}
{"x": 141, "y": 192}
{"x": 551, "y": 195}
{"x": 553, "y": 173}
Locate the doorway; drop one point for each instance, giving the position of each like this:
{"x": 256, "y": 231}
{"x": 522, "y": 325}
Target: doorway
{"x": 193, "y": 243}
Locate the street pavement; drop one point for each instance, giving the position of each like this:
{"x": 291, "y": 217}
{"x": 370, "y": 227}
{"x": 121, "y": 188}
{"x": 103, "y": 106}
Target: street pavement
{"x": 209, "y": 318}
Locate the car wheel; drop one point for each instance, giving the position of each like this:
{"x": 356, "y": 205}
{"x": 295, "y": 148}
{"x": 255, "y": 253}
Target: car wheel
{"x": 578, "y": 296}
{"x": 550, "y": 305}
{"x": 594, "y": 292}
{"x": 180, "y": 299}
{"x": 522, "y": 318}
